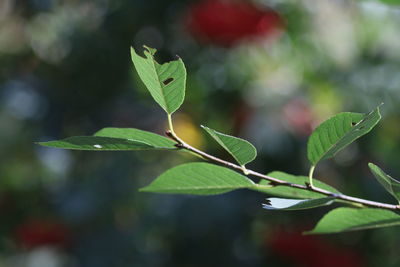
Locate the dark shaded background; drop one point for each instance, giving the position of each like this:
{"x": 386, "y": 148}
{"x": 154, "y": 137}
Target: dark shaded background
{"x": 268, "y": 71}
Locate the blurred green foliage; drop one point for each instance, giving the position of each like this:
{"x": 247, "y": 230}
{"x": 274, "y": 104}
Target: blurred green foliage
{"x": 65, "y": 70}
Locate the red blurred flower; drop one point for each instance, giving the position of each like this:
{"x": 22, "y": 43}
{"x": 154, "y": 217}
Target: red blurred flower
{"x": 311, "y": 251}
{"x": 37, "y": 233}
{"x": 224, "y": 22}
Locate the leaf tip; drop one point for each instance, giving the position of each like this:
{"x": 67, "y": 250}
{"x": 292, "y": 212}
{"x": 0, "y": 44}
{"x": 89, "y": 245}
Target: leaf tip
{"x": 309, "y": 232}
{"x": 133, "y": 53}
{"x": 371, "y": 165}
{"x": 47, "y": 143}
{"x": 152, "y": 51}
{"x": 144, "y": 189}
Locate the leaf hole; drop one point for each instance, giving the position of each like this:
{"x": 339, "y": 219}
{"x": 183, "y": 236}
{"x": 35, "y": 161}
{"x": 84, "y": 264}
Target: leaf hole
{"x": 168, "y": 81}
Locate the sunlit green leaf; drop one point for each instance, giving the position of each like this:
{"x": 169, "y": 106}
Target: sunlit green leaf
{"x": 132, "y": 134}
{"x": 390, "y": 2}
{"x": 97, "y": 143}
{"x": 198, "y": 179}
{"x": 296, "y": 204}
{"x": 350, "y": 219}
{"x": 336, "y": 133}
{"x": 285, "y": 191}
{"x": 242, "y": 150}
{"x": 166, "y": 83}
{"x": 390, "y": 184}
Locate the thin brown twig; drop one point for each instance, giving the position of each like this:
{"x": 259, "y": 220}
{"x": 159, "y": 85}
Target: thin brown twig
{"x": 274, "y": 181}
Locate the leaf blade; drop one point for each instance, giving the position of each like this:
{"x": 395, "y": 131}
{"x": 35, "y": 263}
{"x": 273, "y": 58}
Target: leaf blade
{"x": 390, "y": 184}
{"x": 296, "y": 204}
{"x": 339, "y": 131}
{"x": 97, "y": 143}
{"x": 241, "y": 150}
{"x": 198, "y": 178}
{"x": 150, "y": 138}
{"x": 350, "y": 219}
{"x": 166, "y": 82}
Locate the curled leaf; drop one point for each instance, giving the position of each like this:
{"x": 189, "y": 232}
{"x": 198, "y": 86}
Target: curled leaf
{"x": 296, "y": 204}
{"x": 165, "y": 82}
{"x": 336, "y": 133}
{"x": 242, "y": 150}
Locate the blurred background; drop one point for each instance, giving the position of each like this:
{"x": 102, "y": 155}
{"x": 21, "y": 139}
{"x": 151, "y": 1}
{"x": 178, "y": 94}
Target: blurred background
{"x": 265, "y": 70}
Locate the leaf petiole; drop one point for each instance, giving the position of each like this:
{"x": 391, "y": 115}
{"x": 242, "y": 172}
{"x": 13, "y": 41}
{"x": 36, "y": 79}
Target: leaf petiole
{"x": 310, "y": 176}
{"x": 171, "y": 127}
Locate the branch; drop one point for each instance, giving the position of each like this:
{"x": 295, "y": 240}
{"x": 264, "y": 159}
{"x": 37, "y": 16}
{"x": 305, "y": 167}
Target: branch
{"x": 274, "y": 181}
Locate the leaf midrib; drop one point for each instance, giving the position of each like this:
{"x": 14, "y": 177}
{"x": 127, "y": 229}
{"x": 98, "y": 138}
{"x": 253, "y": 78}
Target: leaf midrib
{"x": 167, "y": 107}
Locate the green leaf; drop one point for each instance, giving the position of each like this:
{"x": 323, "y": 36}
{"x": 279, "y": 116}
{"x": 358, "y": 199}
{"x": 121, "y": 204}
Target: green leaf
{"x": 296, "y": 204}
{"x": 350, "y": 219}
{"x": 198, "y": 179}
{"x": 285, "y": 191}
{"x": 242, "y": 150}
{"x": 112, "y": 139}
{"x": 166, "y": 83}
{"x": 132, "y": 134}
{"x": 336, "y": 133}
{"x": 390, "y": 184}
{"x": 390, "y": 2}
{"x": 97, "y": 143}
